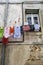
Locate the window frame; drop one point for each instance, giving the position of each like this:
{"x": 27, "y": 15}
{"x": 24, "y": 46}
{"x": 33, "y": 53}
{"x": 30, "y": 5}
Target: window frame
{"x": 32, "y": 20}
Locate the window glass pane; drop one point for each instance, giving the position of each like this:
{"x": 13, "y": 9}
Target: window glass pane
{"x": 35, "y": 20}
{"x": 28, "y": 19}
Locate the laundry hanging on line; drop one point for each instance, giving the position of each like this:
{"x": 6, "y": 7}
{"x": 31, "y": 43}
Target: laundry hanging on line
{"x": 5, "y": 40}
{"x": 6, "y": 32}
{"x": 36, "y": 26}
{"x": 31, "y": 27}
{"x": 26, "y": 28}
{"x": 1, "y": 32}
{"x": 17, "y": 32}
{"x": 11, "y": 30}
{"x": 21, "y": 29}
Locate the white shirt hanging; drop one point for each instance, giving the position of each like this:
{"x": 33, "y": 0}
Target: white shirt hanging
{"x": 36, "y": 26}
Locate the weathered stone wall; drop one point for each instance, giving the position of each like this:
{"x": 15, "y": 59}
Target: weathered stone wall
{"x": 19, "y": 54}
{"x": 0, "y": 53}
{"x": 18, "y": 0}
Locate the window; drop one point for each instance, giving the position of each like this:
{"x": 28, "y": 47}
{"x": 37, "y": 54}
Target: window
{"x": 32, "y": 20}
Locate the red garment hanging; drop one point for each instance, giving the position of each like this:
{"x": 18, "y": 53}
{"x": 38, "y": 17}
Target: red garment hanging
{"x": 5, "y": 40}
{"x": 26, "y": 28}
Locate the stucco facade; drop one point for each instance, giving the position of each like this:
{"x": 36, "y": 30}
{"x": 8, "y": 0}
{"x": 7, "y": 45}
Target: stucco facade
{"x": 19, "y": 53}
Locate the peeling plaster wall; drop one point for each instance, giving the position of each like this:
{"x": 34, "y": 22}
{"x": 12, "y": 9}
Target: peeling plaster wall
{"x": 0, "y": 53}
{"x": 18, "y": 0}
{"x": 18, "y": 54}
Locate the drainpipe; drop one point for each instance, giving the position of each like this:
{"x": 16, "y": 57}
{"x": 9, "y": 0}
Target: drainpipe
{"x": 5, "y": 23}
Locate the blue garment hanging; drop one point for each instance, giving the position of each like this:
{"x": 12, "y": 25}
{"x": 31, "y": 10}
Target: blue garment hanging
{"x": 17, "y": 32}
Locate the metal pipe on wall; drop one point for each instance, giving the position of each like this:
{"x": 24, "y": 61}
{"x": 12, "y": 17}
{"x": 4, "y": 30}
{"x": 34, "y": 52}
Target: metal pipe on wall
{"x": 5, "y": 23}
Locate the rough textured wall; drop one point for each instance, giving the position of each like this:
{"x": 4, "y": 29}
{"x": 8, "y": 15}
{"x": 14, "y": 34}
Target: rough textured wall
{"x": 0, "y": 53}
{"x": 18, "y": 0}
{"x": 19, "y": 54}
